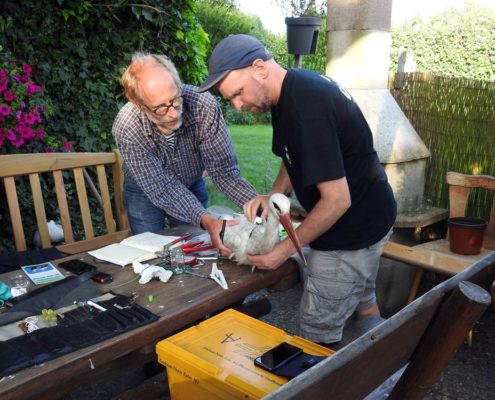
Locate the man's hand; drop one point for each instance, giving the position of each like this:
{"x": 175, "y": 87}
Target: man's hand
{"x": 214, "y": 227}
{"x": 275, "y": 258}
{"x": 251, "y": 207}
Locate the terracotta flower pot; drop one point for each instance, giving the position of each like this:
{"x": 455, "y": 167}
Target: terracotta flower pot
{"x": 466, "y": 235}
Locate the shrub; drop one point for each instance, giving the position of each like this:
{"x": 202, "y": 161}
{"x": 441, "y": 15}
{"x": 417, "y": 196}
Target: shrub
{"x": 23, "y": 105}
{"x": 79, "y": 49}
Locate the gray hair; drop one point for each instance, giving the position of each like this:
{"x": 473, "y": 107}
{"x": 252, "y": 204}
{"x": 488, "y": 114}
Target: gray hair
{"x": 129, "y": 79}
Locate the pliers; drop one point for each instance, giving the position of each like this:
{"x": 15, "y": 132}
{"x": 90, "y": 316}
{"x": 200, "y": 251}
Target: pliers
{"x": 195, "y": 246}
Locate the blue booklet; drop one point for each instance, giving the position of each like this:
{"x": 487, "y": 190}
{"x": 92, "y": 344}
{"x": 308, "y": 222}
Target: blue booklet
{"x": 43, "y": 273}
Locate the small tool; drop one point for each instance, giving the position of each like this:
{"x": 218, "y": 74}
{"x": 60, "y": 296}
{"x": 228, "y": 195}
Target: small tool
{"x": 95, "y": 305}
{"x": 217, "y": 276}
{"x": 178, "y": 240}
{"x": 194, "y": 247}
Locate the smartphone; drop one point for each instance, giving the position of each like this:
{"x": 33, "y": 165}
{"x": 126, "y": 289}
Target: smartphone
{"x": 77, "y": 267}
{"x": 278, "y": 356}
{"x": 102, "y": 277}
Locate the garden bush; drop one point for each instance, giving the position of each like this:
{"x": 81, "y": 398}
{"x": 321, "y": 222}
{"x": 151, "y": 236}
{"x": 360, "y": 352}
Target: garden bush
{"x": 79, "y": 48}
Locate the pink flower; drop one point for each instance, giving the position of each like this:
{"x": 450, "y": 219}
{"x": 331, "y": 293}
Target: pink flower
{"x": 21, "y": 109}
{"x": 11, "y": 135}
{"x": 25, "y": 131}
{"x": 39, "y": 133}
{"x": 33, "y": 88}
{"x": 5, "y": 109}
{"x": 9, "y": 96}
{"x": 26, "y": 68}
{"x": 29, "y": 119}
{"x": 18, "y": 143}
{"x": 67, "y": 145}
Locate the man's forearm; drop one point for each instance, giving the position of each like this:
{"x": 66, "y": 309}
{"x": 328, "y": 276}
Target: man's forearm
{"x": 334, "y": 202}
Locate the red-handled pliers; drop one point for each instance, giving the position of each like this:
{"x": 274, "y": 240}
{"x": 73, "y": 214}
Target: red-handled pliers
{"x": 175, "y": 241}
{"x": 193, "y": 247}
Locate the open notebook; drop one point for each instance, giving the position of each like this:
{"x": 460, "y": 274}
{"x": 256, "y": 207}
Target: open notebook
{"x": 140, "y": 247}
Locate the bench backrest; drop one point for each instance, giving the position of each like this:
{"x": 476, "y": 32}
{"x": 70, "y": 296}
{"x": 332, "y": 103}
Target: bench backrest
{"x": 357, "y": 369}
{"x": 77, "y": 164}
{"x": 460, "y": 186}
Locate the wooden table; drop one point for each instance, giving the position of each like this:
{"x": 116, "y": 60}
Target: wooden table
{"x": 179, "y": 303}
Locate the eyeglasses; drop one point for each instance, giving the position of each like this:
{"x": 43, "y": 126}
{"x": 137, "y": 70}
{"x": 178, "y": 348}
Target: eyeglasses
{"x": 162, "y": 109}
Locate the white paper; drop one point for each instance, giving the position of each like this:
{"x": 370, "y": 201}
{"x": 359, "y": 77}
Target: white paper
{"x": 148, "y": 241}
{"x": 121, "y": 254}
{"x": 140, "y": 247}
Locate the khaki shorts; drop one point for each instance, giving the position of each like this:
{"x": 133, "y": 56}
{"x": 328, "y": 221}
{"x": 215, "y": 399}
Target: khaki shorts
{"x": 338, "y": 283}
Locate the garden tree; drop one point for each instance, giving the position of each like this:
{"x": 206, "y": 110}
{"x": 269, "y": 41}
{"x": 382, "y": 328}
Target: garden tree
{"x": 78, "y": 49}
{"x": 299, "y": 8}
{"x": 221, "y": 18}
{"x": 457, "y": 43}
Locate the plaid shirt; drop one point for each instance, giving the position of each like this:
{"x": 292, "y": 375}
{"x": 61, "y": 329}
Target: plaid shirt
{"x": 164, "y": 174}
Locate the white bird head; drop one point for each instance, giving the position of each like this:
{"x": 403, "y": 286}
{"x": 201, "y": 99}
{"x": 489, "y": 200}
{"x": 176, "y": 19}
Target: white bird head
{"x": 280, "y": 206}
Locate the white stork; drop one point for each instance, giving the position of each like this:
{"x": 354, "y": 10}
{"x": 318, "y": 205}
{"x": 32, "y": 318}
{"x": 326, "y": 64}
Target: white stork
{"x": 252, "y": 238}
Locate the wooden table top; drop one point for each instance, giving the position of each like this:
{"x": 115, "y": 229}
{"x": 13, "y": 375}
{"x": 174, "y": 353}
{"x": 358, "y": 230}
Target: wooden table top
{"x": 182, "y": 301}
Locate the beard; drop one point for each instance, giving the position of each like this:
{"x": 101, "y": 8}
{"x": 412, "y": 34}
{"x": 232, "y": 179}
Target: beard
{"x": 166, "y": 122}
{"x": 262, "y": 105}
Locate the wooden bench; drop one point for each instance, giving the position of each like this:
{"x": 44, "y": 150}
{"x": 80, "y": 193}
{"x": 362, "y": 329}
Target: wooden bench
{"x": 46, "y": 172}
{"x": 422, "y": 337}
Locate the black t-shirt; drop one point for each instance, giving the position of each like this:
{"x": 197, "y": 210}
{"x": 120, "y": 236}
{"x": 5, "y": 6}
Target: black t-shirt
{"x": 322, "y": 135}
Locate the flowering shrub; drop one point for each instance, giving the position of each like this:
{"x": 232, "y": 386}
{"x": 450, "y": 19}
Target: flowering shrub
{"x": 22, "y": 106}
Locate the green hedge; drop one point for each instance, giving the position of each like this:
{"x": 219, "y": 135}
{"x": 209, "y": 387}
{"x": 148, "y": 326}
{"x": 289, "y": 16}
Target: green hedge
{"x": 78, "y": 50}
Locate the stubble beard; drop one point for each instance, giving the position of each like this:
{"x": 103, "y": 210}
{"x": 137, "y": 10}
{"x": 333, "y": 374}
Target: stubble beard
{"x": 170, "y": 124}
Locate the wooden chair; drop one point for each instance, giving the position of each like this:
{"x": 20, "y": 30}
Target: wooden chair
{"x": 33, "y": 165}
{"x": 460, "y": 186}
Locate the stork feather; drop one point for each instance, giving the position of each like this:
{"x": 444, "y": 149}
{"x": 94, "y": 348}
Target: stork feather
{"x": 252, "y": 238}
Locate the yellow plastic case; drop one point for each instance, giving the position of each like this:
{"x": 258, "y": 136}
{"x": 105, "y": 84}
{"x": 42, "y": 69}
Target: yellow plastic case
{"x": 215, "y": 359}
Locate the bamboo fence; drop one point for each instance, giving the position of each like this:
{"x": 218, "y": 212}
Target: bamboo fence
{"x": 455, "y": 118}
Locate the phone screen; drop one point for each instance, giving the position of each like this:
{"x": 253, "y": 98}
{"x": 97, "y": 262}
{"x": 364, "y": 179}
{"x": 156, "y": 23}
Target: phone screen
{"x": 77, "y": 267}
{"x": 277, "y": 356}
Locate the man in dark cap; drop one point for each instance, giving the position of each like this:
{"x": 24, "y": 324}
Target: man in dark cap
{"x": 329, "y": 161}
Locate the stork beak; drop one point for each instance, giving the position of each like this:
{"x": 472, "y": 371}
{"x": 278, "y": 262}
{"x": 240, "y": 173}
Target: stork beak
{"x": 287, "y": 224}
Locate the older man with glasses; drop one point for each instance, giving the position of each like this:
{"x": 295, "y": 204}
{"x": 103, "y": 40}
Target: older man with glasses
{"x": 169, "y": 134}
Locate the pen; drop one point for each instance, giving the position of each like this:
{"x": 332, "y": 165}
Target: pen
{"x": 95, "y": 305}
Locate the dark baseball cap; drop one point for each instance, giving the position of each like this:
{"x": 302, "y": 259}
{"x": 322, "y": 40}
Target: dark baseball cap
{"x": 233, "y": 52}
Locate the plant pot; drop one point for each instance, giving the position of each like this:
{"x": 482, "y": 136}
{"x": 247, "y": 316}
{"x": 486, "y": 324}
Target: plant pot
{"x": 466, "y": 235}
{"x": 302, "y": 34}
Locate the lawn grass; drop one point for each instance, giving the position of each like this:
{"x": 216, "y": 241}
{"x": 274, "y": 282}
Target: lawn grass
{"x": 253, "y": 145}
